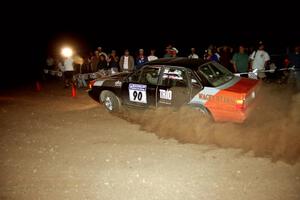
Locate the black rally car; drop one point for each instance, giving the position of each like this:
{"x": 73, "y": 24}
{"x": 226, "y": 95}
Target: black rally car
{"x": 149, "y": 86}
{"x": 208, "y": 86}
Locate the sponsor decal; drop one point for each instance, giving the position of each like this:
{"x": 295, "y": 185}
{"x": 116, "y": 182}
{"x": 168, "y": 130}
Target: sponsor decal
{"x": 222, "y": 99}
{"x": 204, "y": 95}
{"x": 118, "y": 84}
{"x": 165, "y": 94}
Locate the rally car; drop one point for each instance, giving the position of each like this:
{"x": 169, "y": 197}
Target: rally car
{"x": 207, "y": 86}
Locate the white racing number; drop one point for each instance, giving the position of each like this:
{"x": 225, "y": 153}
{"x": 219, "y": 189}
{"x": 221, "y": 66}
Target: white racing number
{"x": 137, "y": 93}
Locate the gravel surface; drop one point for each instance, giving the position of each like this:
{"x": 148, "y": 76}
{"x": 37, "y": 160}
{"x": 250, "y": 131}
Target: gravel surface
{"x": 54, "y": 146}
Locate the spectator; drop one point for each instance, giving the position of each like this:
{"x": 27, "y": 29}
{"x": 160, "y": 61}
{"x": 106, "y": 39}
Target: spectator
{"x": 193, "y": 53}
{"x": 211, "y": 55}
{"x": 68, "y": 71}
{"x": 259, "y": 60}
{"x": 113, "y": 61}
{"x": 141, "y": 59}
{"x": 152, "y": 55}
{"x": 240, "y": 61}
{"x": 171, "y": 51}
{"x": 100, "y": 50}
{"x": 94, "y": 61}
{"x": 85, "y": 66}
{"x": 294, "y": 60}
{"x": 225, "y": 57}
{"x": 102, "y": 64}
{"x": 126, "y": 62}
{"x": 50, "y": 63}
{"x": 168, "y": 53}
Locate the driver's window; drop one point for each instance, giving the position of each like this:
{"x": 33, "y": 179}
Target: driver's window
{"x": 150, "y": 75}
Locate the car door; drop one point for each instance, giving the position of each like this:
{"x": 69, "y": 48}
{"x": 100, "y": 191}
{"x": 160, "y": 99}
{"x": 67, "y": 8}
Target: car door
{"x": 139, "y": 90}
{"x": 174, "y": 87}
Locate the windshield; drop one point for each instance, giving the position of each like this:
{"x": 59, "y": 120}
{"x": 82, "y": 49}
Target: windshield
{"x": 215, "y": 73}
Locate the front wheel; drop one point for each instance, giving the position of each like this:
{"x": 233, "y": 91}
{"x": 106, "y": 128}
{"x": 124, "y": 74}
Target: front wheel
{"x": 110, "y": 101}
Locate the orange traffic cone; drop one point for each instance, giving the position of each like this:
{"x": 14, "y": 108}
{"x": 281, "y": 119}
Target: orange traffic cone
{"x": 38, "y": 86}
{"x": 73, "y": 90}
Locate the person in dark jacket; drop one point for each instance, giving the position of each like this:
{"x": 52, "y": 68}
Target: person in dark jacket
{"x": 102, "y": 63}
{"x": 113, "y": 61}
{"x": 141, "y": 59}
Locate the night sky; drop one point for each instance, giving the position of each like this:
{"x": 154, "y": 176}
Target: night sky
{"x": 31, "y": 32}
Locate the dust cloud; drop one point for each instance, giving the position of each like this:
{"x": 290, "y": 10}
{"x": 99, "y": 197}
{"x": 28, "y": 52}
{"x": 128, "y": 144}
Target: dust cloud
{"x": 272, "y": 129}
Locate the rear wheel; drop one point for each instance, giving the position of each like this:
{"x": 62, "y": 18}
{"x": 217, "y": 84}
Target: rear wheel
{"x": 204, "y": 112}
{"x": 111, "y": 102}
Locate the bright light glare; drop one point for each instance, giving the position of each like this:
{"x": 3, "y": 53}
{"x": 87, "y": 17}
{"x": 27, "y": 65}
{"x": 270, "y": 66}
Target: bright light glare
{"x": 67, "y": 52}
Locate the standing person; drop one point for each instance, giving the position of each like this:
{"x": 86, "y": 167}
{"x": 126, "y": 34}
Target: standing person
{"x": 152, "y": 55}
{"x": 211, "y": 55}
{"x": 193, "y": 54}
{"x": 102, "y": 64}
{"x": 240, "y": 61}
{"x": 259, "y": 60}
{"x": 126, "y": 62}
{"x": 94, "y": 61}
{"x": 294, "y": 60}
{"x": 171, "y": 51}
{"x": 225, "y": 57}
{"x": 168, "y": 53}
{"x": 101, "y": 52}
{"x": 68, "y": 71}
{"x": 113, "y": 61}
{"x": 141, "y": 59}
{"x": 50, "y": 63}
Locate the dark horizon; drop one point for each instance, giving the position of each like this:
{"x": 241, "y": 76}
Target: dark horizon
{"x": 38, "y": 32}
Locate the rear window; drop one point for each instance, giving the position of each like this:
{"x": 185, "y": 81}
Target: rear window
{"x": 215, "y": 73}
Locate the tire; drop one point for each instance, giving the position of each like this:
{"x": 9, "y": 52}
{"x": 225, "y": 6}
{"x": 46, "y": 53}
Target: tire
{"x": 110, "y": 101}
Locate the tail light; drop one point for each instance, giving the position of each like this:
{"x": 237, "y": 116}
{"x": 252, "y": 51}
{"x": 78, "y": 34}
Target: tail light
{"x": 240, "y": 104}
{"x": 91, "y": 83}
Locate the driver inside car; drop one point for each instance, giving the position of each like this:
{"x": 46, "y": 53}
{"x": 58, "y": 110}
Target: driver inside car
{"x": 152, "y": 78}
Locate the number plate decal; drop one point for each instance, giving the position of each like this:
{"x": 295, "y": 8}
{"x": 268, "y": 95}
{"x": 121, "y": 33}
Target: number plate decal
{"x": 137, "y": 93}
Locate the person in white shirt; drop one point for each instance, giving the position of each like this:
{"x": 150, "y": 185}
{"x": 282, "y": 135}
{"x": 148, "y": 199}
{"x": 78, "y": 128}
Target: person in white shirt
{"x": 101, "y": 52}
{"x": 193, "y": 53}
{"x": 68, "y": 71}
{"x": 258, "y": 60}
{"x": 152, "y": 55}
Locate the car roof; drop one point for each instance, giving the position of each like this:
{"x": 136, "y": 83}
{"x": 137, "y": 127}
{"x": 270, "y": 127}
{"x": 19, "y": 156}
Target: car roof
{"x": 191, "y": 63}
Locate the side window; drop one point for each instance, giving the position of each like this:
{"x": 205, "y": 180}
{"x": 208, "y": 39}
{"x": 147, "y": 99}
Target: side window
{"x": 174, "y": 77}
{"x": 194, "y": 81}
{"x": 150, "y": 75}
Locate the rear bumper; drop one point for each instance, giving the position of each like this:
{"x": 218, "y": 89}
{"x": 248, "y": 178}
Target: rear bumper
{"x": 234, "y": 115}
{"x": 230, "y": 116}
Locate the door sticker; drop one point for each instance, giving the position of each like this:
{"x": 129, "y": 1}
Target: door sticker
{"x": 165, "y": 94}
{"x": 137, "y": 93}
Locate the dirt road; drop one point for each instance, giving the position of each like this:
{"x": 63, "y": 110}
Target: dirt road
{"x": 54, "y": 146}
